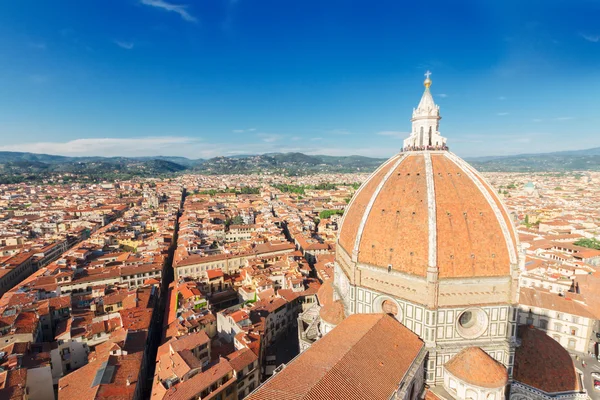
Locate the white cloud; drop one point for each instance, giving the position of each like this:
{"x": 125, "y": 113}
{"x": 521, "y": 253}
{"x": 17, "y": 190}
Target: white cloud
{"x": 442, "y": 95}
{"x": 238, "y": 131}
{"x": 564, "y": 118}
{"x": 316, "y": 139}
{"x": 190, "y": 147}
{"x": 502, "y": 114}
{"x": 537, "y": 120}
{"x": 501, "y": 98}
{"x": 124, "y": 45}
{"x": 269, "y": 137}
{"x": 591, "y": 38}
{"x": 251, "y": 129}
{"x": 179, "y": 9}
{"x": 395, "y": 134}
{"x": 143, "y": 146}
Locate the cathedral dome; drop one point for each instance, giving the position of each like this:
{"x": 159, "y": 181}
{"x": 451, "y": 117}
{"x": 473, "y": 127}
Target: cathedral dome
{"x": 425, "y": 209}
{"x": 426, "y": 219}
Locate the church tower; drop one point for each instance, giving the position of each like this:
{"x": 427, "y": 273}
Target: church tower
{"x": 425, "y": 122}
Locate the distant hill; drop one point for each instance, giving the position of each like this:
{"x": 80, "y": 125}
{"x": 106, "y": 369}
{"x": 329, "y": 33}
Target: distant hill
{"x": 287, "y": 163}
{"x": 562, "y": 161}
{"x": 18, "y": 167}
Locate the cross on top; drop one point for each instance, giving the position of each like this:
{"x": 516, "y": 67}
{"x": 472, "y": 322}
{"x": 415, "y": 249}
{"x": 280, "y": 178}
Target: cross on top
{"x": 427, "y": 74}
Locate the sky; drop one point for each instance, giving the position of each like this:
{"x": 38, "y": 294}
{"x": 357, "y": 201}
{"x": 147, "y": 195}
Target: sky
{"x": 205, "y": 78}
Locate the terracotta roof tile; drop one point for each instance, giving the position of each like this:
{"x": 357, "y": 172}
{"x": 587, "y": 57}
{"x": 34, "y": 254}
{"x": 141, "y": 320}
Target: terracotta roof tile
{"x": 365, "y": 357}
{"x": 543, "y": 363}
{"x": 475, "y": 366}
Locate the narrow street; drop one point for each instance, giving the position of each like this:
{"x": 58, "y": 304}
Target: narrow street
{"x": 156, "y": 328}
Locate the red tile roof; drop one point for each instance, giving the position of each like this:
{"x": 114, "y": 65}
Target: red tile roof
{"x": 543, "y": 363}
{"x": 470, "y": 238}
{"x": 365, "y": 357}
{"x": 475, "y": 366}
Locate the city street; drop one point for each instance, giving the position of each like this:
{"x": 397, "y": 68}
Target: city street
{"x": 592, "y": 365}
{"x": 286, "y": 347}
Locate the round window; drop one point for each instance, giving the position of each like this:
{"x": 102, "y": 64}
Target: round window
{"x": 466, "y": 320}
{"x": 472, "y": 323}
{"x": 388, "y": 306}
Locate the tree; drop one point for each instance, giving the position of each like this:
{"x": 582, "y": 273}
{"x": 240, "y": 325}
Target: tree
{"x": 592, "y": 243}
{"x": 328, "y": 213}
{"x": 214, "y": 245}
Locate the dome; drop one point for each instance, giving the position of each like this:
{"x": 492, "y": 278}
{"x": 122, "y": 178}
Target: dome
{"x": 475, "y": 367}
{"x": 425, "y": 209}
{"x": 332, "y": 311}
{"x": 541, "y": 362}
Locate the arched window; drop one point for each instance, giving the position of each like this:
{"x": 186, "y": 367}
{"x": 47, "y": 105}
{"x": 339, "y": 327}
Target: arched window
{"x": 421, "y": 137}
{"x": 430, "y": 138}
{"x": 557, "y": 327}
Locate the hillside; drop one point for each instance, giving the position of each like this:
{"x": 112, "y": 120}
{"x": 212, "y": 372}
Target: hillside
{"x": 575, "y": 160}
{"x": 287, "y": 163}
{"x": 19, "y": 167}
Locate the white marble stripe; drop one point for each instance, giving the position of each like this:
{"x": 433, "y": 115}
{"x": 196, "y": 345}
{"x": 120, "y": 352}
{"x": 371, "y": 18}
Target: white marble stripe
{"x": 365, "y": 216}
{"x": 431, "y": 209}
{"x": 362, "y": 186}
{"x": 464, "y": 167}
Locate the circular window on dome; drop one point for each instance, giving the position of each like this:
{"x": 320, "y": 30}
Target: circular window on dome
{"x": 472, "y": 323}
{"x": 388, "y": 306}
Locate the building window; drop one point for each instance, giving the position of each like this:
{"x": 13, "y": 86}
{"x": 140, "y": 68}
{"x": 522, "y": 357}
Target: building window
{"x": 452, "y": 384}
{"x": 557, "y": 327}
{"x": 472, "y": 323}
{"x": 575, "y": 319}
{"x": 543, "y": 324}
{"x": 573, "y": 331}
{"x": 572, "y": 343}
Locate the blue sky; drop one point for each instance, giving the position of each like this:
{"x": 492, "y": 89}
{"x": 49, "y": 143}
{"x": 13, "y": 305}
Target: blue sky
{"x": 200, "y": 78}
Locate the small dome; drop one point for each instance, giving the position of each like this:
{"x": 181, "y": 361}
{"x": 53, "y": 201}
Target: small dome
{"x": 475, "y": 367}
{"x": 541, "y": 362}
{"x": 331, "y": 311}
